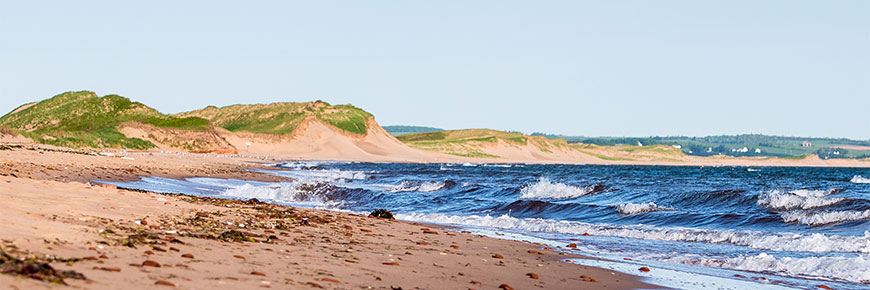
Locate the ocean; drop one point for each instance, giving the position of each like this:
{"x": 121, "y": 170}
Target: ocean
{"x": 697, "y": 227}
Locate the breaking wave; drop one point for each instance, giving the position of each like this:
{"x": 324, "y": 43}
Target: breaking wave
{"x": 798, "y": 199}
{"x": 322, "y": 175}
{"x": 546, "y": 189}
{"x": 817, "y": 243}
{"x": 310, "y": 194}
{"x": 824, "y": 218}
{"x": 639, "y": 208}
{"x": 429, "y": 186}
{"x": 842, "y": 268}
{"x": 860, "y": 179}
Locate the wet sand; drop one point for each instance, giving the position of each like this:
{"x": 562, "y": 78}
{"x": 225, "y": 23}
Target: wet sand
{"x": 100, "y": 237}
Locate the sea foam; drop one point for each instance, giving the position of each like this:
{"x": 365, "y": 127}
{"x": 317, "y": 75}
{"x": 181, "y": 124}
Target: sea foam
{"x": 817, "y": 243}
{"x": 545, "y": 189}
{"x": 853, "y": 269}
{"x": 286, "y": 193}
{"x": 824, "y": 218}
{"x": 429, "y": 186}
{"x": 798, "y": 199}
{"x": 860, "y": 179}
{"x": 639, "y": 208}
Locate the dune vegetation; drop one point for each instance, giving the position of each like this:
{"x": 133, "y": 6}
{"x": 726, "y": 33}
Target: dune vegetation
{"x": 474, "y": 142}
{"x": 283, "y": 118}
{"x": 83, "y": 119}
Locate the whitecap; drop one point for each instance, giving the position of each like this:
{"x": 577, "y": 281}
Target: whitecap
{"x": 798, "y": 199}
{"x": 285, "y": 193}
{"x": 545, "y": 189}
{"x": 818, "y": 243}
{"x": 639, "y": 208}
{"x": 853, "y": 269}
{"x": 429, "y": 186}
{"x": 823, "y": 218}
{"x": 860, "y": 179}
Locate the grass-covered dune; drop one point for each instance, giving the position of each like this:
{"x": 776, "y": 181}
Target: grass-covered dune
{"x": 83, "y": 119}
{"x": 283, "y": 118}
{"x": 478, "y": 143}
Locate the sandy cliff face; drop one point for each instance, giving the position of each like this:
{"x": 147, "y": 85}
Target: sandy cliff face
{"x": 315, "y": 140}
{"x": 178, "y": 140}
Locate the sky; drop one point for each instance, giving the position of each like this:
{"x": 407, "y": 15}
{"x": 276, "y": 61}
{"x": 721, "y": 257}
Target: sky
{"x": 591, "y": 68}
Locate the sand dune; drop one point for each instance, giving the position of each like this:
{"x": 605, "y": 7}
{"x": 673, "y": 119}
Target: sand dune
{"x": 315, "y": 140}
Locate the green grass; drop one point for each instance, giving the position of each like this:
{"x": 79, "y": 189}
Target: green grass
{"x": 605, "y": 157}
{"x": 82, "y": 119}
{"x": 283, "y": 118}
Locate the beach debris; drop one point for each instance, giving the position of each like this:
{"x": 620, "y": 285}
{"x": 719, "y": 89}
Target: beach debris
{"x": 255, "y": 273}
{"x": 391, "y": 263}
{"x": 532, "y": 275}
{"x": 35, "y": 269}
{"x": 330, "y": 280}
{"x": 235, "y": 236}
{"x": 505, "y": 287}
{"x": 150, "y": 263}
{"x": 109, "y": 269}
{"x": 497, "y": 256}
{"x": 587, "y": 278}
{"x": 475, "y": 283}
{"x": 382, "y": 213}
{"x": 643, "y": 269}
{"x": 164, "y": 283}
{"x": 315, "y": 285}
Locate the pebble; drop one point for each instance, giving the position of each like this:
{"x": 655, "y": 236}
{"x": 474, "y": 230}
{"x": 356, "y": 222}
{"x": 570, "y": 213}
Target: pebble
{"x": 476, "y": 283}
{"x": 150, "y": 263}
{"x": 505, "y": 287}
{"x": 823, "y": 287}
{"x": 330, "y": 280}
{"x": 315, "y": 285}
{"x": 189, "y": 256}
{"x": 532, "y": 275}
{"x": 572, "y": 245}
{"x": 255, "y": 273}
{"x": 391, "y": 263}
{"x": 643, "y": 269}
{"x": 164, "y": 283}
{"x": 587, "y": 278}
{"x": 497, "y": 256}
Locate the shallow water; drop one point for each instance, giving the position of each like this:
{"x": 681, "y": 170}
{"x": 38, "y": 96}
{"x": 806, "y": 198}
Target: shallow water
{"x": 798, "y": 226}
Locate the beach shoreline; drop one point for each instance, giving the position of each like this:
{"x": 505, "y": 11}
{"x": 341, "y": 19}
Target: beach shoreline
{"x": 54, "y": 213}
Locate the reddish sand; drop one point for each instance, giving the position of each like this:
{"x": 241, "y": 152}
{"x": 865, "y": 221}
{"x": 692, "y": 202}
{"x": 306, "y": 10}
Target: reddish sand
{"x": 116, "y": 238}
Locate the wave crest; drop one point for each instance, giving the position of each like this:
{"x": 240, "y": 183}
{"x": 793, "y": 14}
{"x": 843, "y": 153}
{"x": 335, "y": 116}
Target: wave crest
{"x": 311, "y": 194}
{"x": 860, "y": 179}
{"x": 639, "y": 208}
{"x": 817, "y": 243}
{"x": 546, "y": 189}
{"x": 798, "y": 199}
{"x": 825, "y": 267}
{"x": 429, "y": 186}
{"x": 824, "y": 218}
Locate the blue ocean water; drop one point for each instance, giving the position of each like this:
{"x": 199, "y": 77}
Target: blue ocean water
{"x": 777, "y": 226}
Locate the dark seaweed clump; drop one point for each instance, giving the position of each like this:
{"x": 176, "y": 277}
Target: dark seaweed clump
{"x": 382, "y": 213}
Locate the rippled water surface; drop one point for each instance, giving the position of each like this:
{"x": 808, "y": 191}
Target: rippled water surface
{"x": 802, "y": 226}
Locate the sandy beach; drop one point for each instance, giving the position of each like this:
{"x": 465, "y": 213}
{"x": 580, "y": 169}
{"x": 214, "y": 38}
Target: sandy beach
{"x": 101, "y": 237}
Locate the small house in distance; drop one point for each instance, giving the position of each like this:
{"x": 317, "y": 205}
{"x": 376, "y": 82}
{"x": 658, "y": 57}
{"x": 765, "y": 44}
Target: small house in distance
{"x": 806, "y": 144}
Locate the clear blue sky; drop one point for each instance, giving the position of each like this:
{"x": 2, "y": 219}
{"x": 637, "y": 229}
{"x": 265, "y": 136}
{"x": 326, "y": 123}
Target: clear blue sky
{"x": 597, "y": 68}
